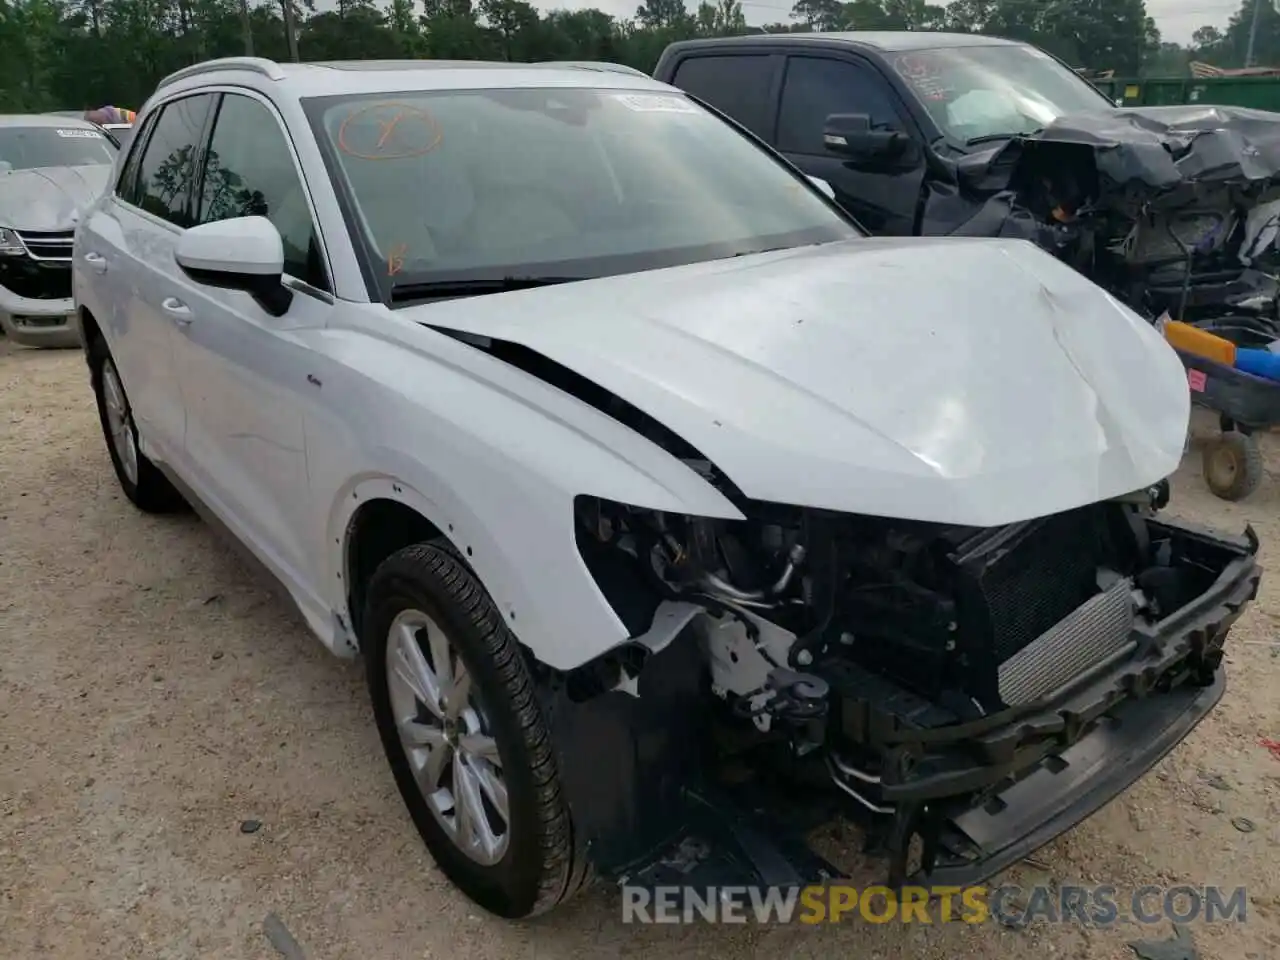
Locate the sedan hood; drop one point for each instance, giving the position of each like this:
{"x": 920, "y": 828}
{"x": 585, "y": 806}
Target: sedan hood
{"x": 966, "y": 381}
{"x": 48, "y": 198}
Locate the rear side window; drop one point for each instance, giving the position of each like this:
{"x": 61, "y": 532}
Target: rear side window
{"x": 127, "y": 186}
{"x": 166, "y": 170}
{"x": 740, "y": 86}
{"x": 815, "y": 88}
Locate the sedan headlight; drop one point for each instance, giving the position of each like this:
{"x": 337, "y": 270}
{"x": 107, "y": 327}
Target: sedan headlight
{"x": 10, "y": 245}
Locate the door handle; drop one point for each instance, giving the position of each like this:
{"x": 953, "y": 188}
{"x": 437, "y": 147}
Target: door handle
{"x": 96, "y": 261}
{"x": 178, "y": 311}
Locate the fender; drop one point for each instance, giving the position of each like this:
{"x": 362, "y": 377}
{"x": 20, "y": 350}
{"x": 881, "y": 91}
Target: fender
{"x": 528, "y": 560}
{"x": 533, "y": 572}
{"x": 493, "y": 457}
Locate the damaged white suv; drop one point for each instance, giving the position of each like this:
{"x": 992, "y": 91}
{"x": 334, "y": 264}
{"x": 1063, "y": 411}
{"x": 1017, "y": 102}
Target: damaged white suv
{"x": 668, "y": 511}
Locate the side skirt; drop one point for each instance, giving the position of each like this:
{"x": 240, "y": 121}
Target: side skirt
{"x": 338, "y": 637}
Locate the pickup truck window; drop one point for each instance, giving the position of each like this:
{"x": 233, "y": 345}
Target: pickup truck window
{"x": 984, "y": 92}
{"x": 738, "y": 85}
{"x": 815, "y": 88}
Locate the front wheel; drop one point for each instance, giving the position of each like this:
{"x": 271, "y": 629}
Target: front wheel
{"x": 464, "y": 734}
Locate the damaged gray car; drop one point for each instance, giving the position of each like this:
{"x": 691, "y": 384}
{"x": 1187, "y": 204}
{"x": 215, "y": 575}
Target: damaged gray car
{"x": 50, "y": 169}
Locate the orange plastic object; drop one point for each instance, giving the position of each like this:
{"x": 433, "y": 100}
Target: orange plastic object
{"x": 1184, "y": 336}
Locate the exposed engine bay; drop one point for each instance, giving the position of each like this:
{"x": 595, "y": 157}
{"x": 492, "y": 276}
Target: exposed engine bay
{"x": 889, "y": 660}
{"x": 968, "y": 692}
{"x": 1169, "y": 208}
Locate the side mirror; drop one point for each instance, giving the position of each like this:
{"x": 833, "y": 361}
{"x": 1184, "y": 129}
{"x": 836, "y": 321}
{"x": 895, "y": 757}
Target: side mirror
{"x": 826, "y": 188}
{"x": 850, "y": 135}
{"x": 243, "y": 253}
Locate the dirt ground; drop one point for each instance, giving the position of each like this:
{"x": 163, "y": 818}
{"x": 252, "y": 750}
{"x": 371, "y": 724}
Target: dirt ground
{"x": 153, "y": 695}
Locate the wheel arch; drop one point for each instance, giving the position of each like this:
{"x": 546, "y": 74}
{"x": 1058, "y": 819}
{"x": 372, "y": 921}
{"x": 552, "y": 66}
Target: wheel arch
{"x": 377, "y": 528}
{"x": 90, "y": 331}
{"x": 89, "y": 327}
{"x": 375, "y": 516}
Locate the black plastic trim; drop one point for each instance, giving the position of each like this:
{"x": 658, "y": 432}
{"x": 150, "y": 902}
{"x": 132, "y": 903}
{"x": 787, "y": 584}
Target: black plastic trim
{"x": 979, "y": 760}
{"x": 1085, "y": 778}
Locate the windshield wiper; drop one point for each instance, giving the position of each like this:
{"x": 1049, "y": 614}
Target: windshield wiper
{"x": 752, "y": 253}
{"x": 988, "y": 138}
{"x": 474, "y": 287}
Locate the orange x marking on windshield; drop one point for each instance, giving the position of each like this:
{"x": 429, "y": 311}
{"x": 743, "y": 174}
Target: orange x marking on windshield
{"x": 386, "y": 128}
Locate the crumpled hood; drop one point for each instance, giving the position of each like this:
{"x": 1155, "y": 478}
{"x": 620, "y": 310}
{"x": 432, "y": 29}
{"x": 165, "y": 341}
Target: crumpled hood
{"x": 1161, "y": 158}
{"x": 1163, "y": 147}
{"x": 1158, "y": 147}
{"x": 966, "y": 381}
{"x": 47, "y": 198}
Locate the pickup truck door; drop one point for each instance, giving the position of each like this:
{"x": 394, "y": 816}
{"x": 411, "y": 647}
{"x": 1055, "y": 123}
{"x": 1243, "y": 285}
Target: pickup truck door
{"x": 813, "y": 88}
{"x": 245, "y": 373}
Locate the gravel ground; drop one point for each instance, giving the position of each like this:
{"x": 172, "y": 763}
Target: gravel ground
{"x": 154, "y": 695}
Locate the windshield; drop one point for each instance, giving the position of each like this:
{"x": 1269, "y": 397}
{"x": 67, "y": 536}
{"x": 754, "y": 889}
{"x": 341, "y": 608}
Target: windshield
{"x": 28, "y": 148}
{"x": 995, "y": 91}
{"x": 567, "y": 183}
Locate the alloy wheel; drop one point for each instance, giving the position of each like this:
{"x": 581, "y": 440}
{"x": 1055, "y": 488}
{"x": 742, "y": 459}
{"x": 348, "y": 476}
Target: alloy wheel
{"x": 119, "y": 421}
{"x": 445, "y": 737}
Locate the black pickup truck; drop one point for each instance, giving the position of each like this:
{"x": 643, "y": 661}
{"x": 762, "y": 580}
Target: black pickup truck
{"x": 923, "y": 133}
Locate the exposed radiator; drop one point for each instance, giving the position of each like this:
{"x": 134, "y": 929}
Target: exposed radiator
{"x": 1089, "y": 634}
{"x": 1021, "y": 580}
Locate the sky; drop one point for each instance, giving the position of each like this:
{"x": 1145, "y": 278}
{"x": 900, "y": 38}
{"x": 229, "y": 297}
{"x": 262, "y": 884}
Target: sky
{"x": 1177, "y": 19}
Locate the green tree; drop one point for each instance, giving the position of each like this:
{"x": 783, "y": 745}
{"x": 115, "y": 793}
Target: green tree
{"x": 73, "y": 54}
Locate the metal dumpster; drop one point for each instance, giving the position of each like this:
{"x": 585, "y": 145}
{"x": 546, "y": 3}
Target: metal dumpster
{"x": 1260, "y": 93}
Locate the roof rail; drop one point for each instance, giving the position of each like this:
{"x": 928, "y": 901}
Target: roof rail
{"x": 601, "y": 66}
{"x": 268, "y": 68}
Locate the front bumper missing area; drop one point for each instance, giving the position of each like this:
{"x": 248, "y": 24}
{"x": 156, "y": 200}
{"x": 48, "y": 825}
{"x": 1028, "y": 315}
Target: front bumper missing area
{"x": 731, "y": 843}
{"x": 978, "y": 797}
{"x": 38, "y": 323}
{"x": 1067, "y": 787}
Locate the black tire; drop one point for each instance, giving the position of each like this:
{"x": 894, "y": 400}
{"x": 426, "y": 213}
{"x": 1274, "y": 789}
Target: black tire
{"x": 1233, "y": 465}
{"x": 541, "y": 866}
{"x": 151, "y": 492}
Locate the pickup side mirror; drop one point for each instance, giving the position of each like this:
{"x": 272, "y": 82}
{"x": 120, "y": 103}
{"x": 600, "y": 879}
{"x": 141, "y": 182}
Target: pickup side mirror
{"x": 850, "y": 135}
{"x": 243, "y": 253}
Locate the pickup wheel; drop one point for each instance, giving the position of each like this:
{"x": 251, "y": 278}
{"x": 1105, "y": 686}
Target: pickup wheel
{"x": 146, "y": 487}
{"x": 464, "y": 734}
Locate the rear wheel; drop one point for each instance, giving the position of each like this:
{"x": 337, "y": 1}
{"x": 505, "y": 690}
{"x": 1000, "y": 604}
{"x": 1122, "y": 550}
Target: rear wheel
{"x": 464, "y": 734}
{"x": 146, "y": 487}
{"x": 1233, "y": 465}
